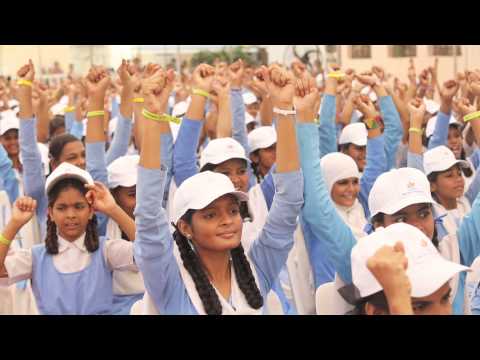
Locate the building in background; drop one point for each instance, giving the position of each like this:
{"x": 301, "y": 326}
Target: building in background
{"x": 394, "y": 58}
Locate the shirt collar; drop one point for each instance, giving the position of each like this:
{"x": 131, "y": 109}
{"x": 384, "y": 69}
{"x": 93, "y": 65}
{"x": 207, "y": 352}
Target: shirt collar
{"x": 64, "y": 244}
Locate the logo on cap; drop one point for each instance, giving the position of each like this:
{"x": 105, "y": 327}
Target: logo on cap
{"x": 423, "y": 243}
{"x": 411, "y": 184}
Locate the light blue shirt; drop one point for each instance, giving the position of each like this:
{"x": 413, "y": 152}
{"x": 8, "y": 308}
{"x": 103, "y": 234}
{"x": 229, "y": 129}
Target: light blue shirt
{"x": 154, "y": 243}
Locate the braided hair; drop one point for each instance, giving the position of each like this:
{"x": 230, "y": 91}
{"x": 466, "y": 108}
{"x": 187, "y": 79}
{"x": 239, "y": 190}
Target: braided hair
{"x": 205, "y": 289}
{"x": 91, "y": 232}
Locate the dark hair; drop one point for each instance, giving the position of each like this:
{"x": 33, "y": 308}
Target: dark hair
{"x": 380, "y": 219}
{"x": 58, "y": 143}
{"x": 432, "y": 177}
{"x": 56, "y": 123}
{"x": 378, "y": 300}
{"x": 91, "y": 233}
{"x": 209, "y": 297}
{"x": 255, "y": 166}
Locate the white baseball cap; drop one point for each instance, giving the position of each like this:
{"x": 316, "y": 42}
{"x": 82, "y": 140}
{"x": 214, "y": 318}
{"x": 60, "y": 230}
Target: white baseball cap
{"x": 261, "y": 138}
{"x": 431, "y": 106}
{"x": 433, "y": 121}
{"x": 441, "y": 158}
{"x": 64, "y": 100}
{"x": 427, "y": 270}
{"x": 371, "y": 94}
{"x": 355, "y": 134}
{"x": 200, "y": 190}
{"x": 249, "y": 98}
{"x": 67, "y": 171}
{"x": 219, "y": 150}
{"x": 338, "y": 166}
{"x": 58, "y": 109}
{"x": 250, "y": 119}
{"x": 12, "y": 103}
{"x": 8, "y": 121}
{"x": 123, "y": 171}
{"x": 398, "y": 188}
{"x": 180, "y": 109}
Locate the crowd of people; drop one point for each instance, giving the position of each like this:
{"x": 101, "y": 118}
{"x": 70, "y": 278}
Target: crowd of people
{"x": 232, "y": 189}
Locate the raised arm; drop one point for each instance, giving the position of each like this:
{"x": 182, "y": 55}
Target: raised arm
{"x": 153, "y": 247}
{"x": 123, "y": 132}
{"x": 97, "y": 83}
{"x": 184, "y": 152}
{"x": 22, "y": 212}
{"x": 270, "y": 250}
{"x": 376, "y": 157}
{"x": 393, "y": 131}
{"x": 327, "y": 129}
{"x": 440, "y": 134}
{"x": 33, "y": 172}
{"x": 415, "y": 146}
{"x": 41, "y": 111}
{"x": 470, "y": 111}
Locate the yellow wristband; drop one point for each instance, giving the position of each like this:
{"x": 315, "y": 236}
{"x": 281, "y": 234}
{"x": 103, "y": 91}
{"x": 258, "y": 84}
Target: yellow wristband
{"x": 138, "y": 100}
{"x": 95, "y": 113}
{"x": 371, "y": 124}
{"x": 201, "y": 93}
{"x": 69, "y": 109}
{"x": 155, "y": 117}
{"x": 25, "y": 82}
{"x": 4, "y": 240}
{"x": 336, "y": 75}
{"x": 416, "y": 130}
{"x": 471, "y": 116}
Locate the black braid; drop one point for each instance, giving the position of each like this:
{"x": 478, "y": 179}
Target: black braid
{"x": 211, "y": 302}
{"x": 245, "y": 278}
{"x": 91, "y": 235}
{"x": 51, "y": 240}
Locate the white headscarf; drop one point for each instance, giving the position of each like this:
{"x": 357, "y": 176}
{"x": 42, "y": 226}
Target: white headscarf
{"x": 338, "y": 166}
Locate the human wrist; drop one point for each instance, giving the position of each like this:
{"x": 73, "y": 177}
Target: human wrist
{"x": 305, "y": 116}
{"x": 283, "y": 105}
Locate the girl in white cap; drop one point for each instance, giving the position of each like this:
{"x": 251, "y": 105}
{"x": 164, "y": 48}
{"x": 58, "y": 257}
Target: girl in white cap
{"x": 211, "y": 273}
{"x": 72, "y": 272}
{"x": 444, "y": 172}
{"x": 398, "y": 271}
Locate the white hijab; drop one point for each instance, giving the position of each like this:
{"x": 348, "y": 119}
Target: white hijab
{"x": 338, "y": 166}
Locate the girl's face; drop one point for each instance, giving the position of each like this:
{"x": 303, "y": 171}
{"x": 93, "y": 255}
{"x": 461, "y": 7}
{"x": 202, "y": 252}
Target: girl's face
{"x": 253, "y": 109}
{"x": 449, "y": 184}
{"x": 236, "y": 170}
{"x": 71, "y": 213}
{"x": 265, "y": 158}
{"x": 218, "y": 227}
{"x": 10, "y": 142}
{"x": 126, "y": 198}
{"x": 436, "y": 304}
{"x": 418, "y": 215}
{"x": 73, "y": 153}
{"x": 345, "y": 191}
{"x": 455, "y": 141}
{"x": 357, "y": 153}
